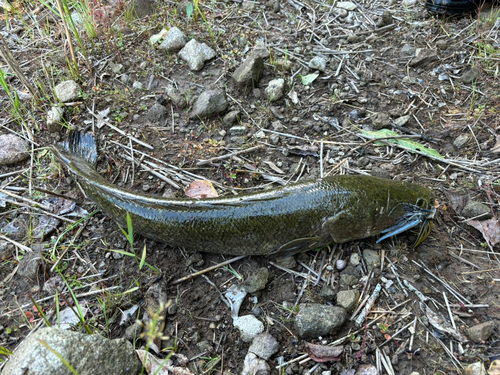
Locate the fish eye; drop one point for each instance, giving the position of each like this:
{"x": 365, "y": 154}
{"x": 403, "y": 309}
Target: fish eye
{"x": 421, "y": 202}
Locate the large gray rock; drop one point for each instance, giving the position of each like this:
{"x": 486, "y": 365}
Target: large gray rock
{"x": 87, "y": 354}
{"x": 209, "y": 103}
{"x": 13, "y": 149}
{"x": 174, "y": 40}
{"x": 250, "y": 71}
{"x": 195, "y": 54}
{"x": 314, "y": 320}
{"x": 68, "y": 91}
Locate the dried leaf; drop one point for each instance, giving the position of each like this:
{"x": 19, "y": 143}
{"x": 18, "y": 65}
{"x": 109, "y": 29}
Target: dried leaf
{"x": 496, "y": 148}
{"x": 489, "y": 228}
{"x": 201, "y": 189}
{"x": 438, "y": 321}
{"x": 308, "y": 79}
{"x": 154, "y": 365}
{"x": 323, "y": 353}
{"x": 274, "y": 167}
{"x": 457, "y": 200}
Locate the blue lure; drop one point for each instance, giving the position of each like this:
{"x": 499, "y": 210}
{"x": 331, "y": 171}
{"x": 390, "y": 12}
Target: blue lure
{"x": 413, "y": 216}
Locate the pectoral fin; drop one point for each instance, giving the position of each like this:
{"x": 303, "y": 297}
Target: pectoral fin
{"x": 297, "y": 246}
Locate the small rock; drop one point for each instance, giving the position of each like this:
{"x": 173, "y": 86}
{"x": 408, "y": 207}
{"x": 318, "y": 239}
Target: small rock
{"x": 460, "y": 141}
{"x": 354, "y": 260}
{"x": 408, "y": 49}
{"x": 349, "y": 276}
{"x": 264, "y": 345}
{"x": 248, "y": 6}
{"x": 348, "y": 299}
{"x": 132, "y": 332}
{"x": 476, "y": 368}
{"x": 45, "y": 226}
{"x": 17, "y": 228}
{"x": 340, "y": 264}
{"x": 87, "y": 354}
{"x": 255, "y": 366}
{"x": 195, "y": 54}
{"x": 274, "y": 139}
{"x": 13, "y": 149}
{"x": 367, "y": 370}
{"x": 317, "y": 63}
{"x": 68, "y": 91}
{"x": 28, "y": 266}
{"x": 249, "y": 327}
{"x": 261, "y": 50}
{"x": 372, "y": 259}
{"x": 387, "y": 18}
{"x": 209, "y": 103}
{"x": 403, "y": 120}
{"x": 174, "y": 40}
{"x": 274, "y": 89}
{"x": 442, "y": 44}
{"x": 238, "y": 130}
{"x": 238, "y": 140}
{"x": 250, "y": 71}
{"x": 347, "y": 5}
{"x": 423, "y": 57}
{"x": 477, "y": 210}
{"x": 54, "y": 119}
{"x": 232, "y": 117}
{"x": 380, "y": 172}
{"x": 287, "y": 262}
{"x": 471, "y": 75}
{"x": 260, "y": 134}
{"x": 327, "y": 292}
{"x": 314, "y": 320}
{"x": 124, "y": 78}
{"x": 157, "y": 114}
{"x": 176, "y": 97}
{"x": 481, "y": 332}
{"x": 137, "y": 85}
{"x": 256, "y": 281}
{"x": 354, "y": 38}
{"x": 116, "y": 68}
{"x": 380, "y": 120}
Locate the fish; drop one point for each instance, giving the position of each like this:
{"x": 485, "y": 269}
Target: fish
{"x": 283, "y": 221}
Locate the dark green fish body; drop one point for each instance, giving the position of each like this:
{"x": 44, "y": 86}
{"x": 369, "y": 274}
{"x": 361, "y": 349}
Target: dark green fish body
{"x": 286, "y": 220}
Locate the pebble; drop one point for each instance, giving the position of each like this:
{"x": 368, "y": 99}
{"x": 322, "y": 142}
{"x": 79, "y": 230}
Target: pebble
{"x": 256, "y": 281}
{"x": 477, "y": 210}
{"x": 68, "y": 91}
{"x": 255, "y": 366}
{"x": 250, "y": 71}
{"x": 274, "y": 90}
{"x": 249, "y": 327}
{"x": 264, "y": 345}
{"x": 195, "y": 54}
{"x": 13, "y": 149}
{"x": 372, "y": 259}
{"x": 480, "y": 332}
{"x": 314, "y": 320}
{"x": 348, "y": 299}
{"x": 210, "y": 102}
{"x": 174, "y": 41}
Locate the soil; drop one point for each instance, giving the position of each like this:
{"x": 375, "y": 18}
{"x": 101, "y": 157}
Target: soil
{"x": 353, "y": 93}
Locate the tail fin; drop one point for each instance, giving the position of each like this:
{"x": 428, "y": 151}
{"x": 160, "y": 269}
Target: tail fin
{"x": 79, "y": 145}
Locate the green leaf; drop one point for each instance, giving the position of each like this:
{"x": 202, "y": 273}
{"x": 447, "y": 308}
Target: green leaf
{"x": 308, "y": 79}
{"x": 143, "y": 258}
{"x": 158, "y": 37}
{"x": 189, "y": 11}
{"x": 130, "y": 230}
{"x": 405, "y": 142}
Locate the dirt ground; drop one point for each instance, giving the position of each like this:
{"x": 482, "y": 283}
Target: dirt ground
{"x": 369, "y": 83}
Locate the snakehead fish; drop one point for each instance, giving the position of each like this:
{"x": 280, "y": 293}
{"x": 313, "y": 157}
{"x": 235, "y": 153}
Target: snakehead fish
{"x": 283, "y": 221}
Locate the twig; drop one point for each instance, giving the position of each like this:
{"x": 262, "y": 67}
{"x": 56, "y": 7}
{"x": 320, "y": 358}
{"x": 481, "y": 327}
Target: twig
{"x": 21, "y": 246}
{"x": 207, "y": 270}
{"x": 369, "y": 304}
{"x": 203, "y": 162}
{"x": 27, "y": 200}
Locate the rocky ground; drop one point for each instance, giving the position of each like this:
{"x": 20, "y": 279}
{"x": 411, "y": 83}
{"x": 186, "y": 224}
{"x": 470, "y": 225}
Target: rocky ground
{"x": 249, "y": 96}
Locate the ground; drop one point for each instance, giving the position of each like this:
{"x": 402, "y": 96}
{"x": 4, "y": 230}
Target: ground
{"x": 448, "y": 103}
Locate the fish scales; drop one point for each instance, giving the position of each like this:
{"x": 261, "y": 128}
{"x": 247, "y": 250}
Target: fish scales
{"x": 284, "y": 221}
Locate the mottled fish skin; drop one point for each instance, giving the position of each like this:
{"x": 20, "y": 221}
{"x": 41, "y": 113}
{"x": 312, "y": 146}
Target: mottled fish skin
{"x": 282, "y": 221}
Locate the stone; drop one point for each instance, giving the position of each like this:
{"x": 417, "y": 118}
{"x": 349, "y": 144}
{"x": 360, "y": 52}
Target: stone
{"x": 54, "y": 119}
{"x": 133, "y": 331}
{"x": 470, "y": 75}
{"x": 346, "y": 5}
{"x": 367, "y": 370}
{"x": 423, "y": 57}
{"x": 238, "y": 130}
{"x": 348, "y": 299}
{"x": 256, "y": 281}
{"x": 209, "y": 103}
{"x": 116, "y": 68}
{"x": 195, "y": 54}
{"x": 403, "y": 120}
{"x": 354, "y": 259}
{"x": 327, "y": 292}
{"x": 250, "y": 71}
{"x": 264, "y": 345}
{"x": 137, "y": 85}
{"x": 387, "y": 18}
{"x": 380, "y": 120}
{"x": 314, "y": 320}
{"x": 249, "y": 327}
{"x": 174, "y": 41}
{"x": 87, "y": 354}
{"x": 248, "y": 6}
{"x": 480, "y": 332}
{"x": 232, "y": 117}
{"x": 476, "y": 368}
{"x": 255, "y": 366}
{"x": 349, "y": 276}
{"x": 460, "y": 141}
{"x": 261, "y": 50}
{"x": 317, "y": 63}
{"x": 157, "y": 114}
{"x": 68, "y": 91}
{"x": 477, "y": 210}
{"x": 408, "y": 49}
{"x": 28, "y": 267}
{"x": 16, "y": 229}
{"x": 288, "y": 262}
{"x": 142, "y": 8}
{"x": 45, "y": 226}
{"x": 176, "y": 97}
{"x": 13, "y": 149}
{"x": 372, "y": 259}
{"x": 274, "y": 90}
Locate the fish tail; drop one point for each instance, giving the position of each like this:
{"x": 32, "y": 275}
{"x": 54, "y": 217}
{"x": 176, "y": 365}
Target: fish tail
{"x": 78, "y": 146}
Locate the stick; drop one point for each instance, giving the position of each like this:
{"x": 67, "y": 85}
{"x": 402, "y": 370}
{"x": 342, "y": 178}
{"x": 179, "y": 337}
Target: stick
{"x": 207, "y": 270}
{"x": 361, "y": 318}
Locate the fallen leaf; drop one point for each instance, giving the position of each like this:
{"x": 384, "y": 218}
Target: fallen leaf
{"x": 494, "y": 367}
{"x": 489, "y": 228}
{"x": 201, "y": 189}
{"x": 308, "y": 79}
{"x": 158, "y": 37}
{"x": 323, "y": 353}
{"x": 457, "y": 199}
{"x": 439, "y": 322}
